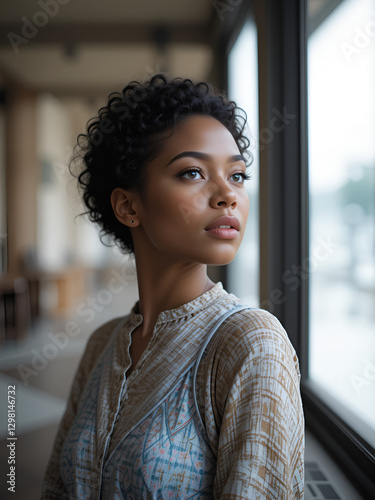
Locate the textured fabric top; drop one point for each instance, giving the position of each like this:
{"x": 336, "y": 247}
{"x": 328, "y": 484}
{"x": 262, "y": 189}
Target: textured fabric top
{"x": 247, "y": 388}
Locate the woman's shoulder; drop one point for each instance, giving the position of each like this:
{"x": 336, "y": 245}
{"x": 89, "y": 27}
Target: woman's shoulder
{"x": 251, "y": 317}
{"x": 250, "y": 322}
{"x": 101, "y": 334}
{"x": 256, "y": 317}
{"x": 100, "y": 337}
{"x": 251, "y": 333}
{"x": 98, "y": 340}
{"x": 250, "y": 347}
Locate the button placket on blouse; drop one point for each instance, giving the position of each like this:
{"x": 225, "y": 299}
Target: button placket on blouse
{"x": 123, "y": 386}
{"x": 146, "y": 353}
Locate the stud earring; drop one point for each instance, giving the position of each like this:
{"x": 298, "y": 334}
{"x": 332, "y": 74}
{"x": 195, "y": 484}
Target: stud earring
{"x": 132, "y": 221}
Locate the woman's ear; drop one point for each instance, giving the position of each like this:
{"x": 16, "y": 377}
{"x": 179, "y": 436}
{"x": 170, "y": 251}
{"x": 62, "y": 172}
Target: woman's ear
{"x": 122, "y": 202}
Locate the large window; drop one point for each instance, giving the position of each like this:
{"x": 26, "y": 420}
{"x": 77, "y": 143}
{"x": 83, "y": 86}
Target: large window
{"x": 316, "y": 73}
{"x": 341, "y": 144}
{"x": 243, "y": 88}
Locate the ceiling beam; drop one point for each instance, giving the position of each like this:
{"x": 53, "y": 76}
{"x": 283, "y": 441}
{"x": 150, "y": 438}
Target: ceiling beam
{"x": 75, "y": 33}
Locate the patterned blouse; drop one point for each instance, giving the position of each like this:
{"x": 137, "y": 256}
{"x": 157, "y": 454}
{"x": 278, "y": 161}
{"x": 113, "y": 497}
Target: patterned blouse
{"x": 208, "y": 411}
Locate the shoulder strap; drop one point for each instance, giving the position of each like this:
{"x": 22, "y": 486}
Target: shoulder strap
{"x": 210, "y": 335}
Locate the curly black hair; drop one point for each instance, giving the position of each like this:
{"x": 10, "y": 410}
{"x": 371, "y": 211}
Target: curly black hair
{"x": 122, "y": 139}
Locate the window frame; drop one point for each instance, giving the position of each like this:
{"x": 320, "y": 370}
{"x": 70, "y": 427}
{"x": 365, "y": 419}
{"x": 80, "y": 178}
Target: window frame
{"x": 284, "y": 204}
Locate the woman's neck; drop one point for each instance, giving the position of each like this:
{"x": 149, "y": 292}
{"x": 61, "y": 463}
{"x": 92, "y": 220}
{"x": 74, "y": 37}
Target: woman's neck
{"x": 164, "y": 285}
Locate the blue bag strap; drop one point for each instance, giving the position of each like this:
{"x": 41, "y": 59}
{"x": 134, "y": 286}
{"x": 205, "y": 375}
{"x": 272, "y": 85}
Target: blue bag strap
{"x": 210, "y": 335}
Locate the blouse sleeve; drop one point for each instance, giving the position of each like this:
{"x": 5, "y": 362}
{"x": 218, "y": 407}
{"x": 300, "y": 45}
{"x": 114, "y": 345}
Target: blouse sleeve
{"x": 261, "y": 439}
{"x": 53, "y": 486}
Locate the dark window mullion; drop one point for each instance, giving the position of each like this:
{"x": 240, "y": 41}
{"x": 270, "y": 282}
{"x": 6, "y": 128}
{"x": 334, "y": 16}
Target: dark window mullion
{"x": 284, "y": 164}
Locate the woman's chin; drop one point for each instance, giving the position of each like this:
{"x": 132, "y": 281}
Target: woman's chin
{"x": 221, "y": 260}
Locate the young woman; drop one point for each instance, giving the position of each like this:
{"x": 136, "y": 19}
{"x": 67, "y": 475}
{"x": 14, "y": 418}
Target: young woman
{"x": 192, "y": 394}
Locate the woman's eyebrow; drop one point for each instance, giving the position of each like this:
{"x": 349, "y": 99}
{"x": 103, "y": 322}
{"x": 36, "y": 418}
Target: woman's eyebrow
{"x": 204, "y": 157}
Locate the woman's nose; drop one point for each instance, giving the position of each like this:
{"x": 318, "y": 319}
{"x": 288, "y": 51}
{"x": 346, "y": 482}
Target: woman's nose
{"x": 223, "y": 196}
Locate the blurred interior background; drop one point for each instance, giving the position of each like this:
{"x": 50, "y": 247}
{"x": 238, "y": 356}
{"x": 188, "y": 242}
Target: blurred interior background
{"x": 304, "y": 72}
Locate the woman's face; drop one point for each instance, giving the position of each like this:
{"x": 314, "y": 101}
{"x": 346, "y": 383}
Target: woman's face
{"x": 195, "y": 180}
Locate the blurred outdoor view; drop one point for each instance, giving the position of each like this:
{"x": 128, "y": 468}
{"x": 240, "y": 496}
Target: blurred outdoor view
{"x": 243, "y": 89}
{"x": 341, "y": 132}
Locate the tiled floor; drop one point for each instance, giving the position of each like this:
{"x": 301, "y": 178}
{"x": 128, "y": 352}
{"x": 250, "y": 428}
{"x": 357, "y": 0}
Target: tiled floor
{"x": 39, "y": 407}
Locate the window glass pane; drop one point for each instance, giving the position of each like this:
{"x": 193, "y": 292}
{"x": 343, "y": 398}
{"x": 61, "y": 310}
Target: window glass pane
{"x": 243, "y": 272}
{"x": 341, "y": 141}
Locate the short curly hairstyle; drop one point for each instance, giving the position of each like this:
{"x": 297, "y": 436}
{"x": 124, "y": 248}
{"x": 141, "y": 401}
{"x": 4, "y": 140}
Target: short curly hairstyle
{"x": 124, "y": 137}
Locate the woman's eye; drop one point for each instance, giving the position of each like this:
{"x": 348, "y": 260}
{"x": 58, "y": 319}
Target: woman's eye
{"x": 191, "y": 174}
{"x": 240, "y": 177}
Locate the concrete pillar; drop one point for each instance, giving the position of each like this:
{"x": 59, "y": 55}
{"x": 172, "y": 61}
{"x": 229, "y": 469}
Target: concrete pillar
{"x": 21, "y": 174}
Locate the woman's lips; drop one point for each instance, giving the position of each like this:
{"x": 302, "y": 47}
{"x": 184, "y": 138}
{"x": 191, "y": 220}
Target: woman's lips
{"x": 225, "y": 227}
{"x": 225, "y": 234}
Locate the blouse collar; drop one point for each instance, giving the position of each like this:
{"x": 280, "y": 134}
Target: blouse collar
{"x": 190, "y": 308}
